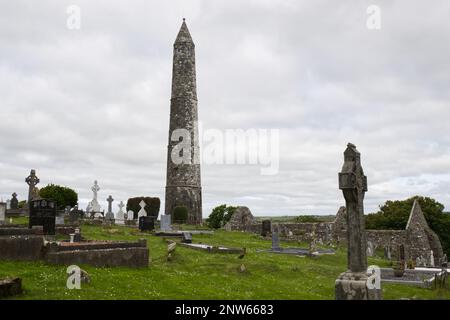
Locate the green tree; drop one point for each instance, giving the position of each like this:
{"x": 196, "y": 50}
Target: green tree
{"x": 219, "y": 216}
{"x": 393, "y": 215}
{"x": 180, "y": 214}
{"x": 63, "y": 196}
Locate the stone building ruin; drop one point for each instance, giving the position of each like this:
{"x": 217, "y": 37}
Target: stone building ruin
{"x": 417, "y": 238}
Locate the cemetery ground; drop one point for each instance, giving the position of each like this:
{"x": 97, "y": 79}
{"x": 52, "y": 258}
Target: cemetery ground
{"x": 194, "y": 274}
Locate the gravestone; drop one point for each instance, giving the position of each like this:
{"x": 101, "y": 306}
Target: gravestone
{"x": 93, "y": 208}
{"x": 74, "y": 215}
{"x": 432, "y": 259}
{"x": 352, "y": 284}
{"x": 146, "y": 223}
{"x": 142, "y": 212}
{"x": 2, "y": 211}
{"x": 43, "y": 213}
{"x": 166, "y": 222}
{"x": 59, "y": 220}
{"x": 370, "y": 249}
{"x": 130, "y": 215}
{"x": 275, "y": 240}
{"x": 77, "y": 235}
{"x": 312, "y": 241}
{"x": 187, "y": 237}
{"x": 67, "y": 210}
{"x": 120, "y": 215}
{"x": 14, "y": 202}
{"x": 8, "y": 204}
{"x": 266, "y": 227}
{"x": 109, "y": 215}
{"x": 32, "y": 180}
{"x": 387, "y": 253}
{"x": 443, "y": 261}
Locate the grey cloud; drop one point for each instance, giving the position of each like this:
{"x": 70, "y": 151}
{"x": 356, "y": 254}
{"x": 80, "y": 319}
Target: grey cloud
{"x": 94, "y": 103}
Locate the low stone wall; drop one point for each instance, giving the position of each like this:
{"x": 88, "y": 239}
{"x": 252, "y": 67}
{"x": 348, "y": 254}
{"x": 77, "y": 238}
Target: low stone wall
{"x": 8, "y": 230}
{"x": 21, "y": 247}
{"x": 130, "y": 254}
{"x": 20, "y": 229}
{"x": 19, "y": 243}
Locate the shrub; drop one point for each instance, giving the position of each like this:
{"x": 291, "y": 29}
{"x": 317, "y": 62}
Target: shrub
{"x": 219, "y": 216}
{"x": 62, "y": 195}
{"x": 152, "y": 206}
{"x": 180, "y": 214}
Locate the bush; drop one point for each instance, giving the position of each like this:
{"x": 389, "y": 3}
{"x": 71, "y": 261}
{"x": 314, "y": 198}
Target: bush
{"x": 62, "y": 195}
{"x": 152, "y": 206}
{"x": 180, "y": 214}
{"x": 393, "y": 215}
{"x": 220, "y": 216}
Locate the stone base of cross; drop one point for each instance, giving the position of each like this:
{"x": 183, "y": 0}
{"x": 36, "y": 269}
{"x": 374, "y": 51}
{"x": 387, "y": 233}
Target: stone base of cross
{"x": 354, "y": 286}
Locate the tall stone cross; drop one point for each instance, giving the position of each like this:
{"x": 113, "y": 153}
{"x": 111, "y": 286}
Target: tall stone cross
{"x": 95, "y": 189}
{"x": 110, "y": 214}
{"x": 110, "y": 201}
{"x": 353, "y": 184}
{"x": 32, "y": 180}
{"x": 354, "y": 284}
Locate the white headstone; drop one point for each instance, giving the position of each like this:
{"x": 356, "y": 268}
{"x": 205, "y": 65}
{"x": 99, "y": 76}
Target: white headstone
{"x": 432, "y": 258}
{"x": 166, "y": 222}
{"x": 142, "y": 212}
{"x": 130, "y": 215}
{"x": 2, "y": 211}
{"x": 8, "y": 204}
{"x": 120, "y": 215}
{"x": 369, "y": 249}
{"x": 59, "y": 220}
{"x": 94, "y": 206}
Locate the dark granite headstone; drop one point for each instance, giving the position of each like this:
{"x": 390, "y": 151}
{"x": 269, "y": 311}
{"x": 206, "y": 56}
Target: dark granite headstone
{"x": 14, "y": 202}
{"x": 146, "y": 223}
{"x": 187, "y": 237}
{"x": 43, "y": 213}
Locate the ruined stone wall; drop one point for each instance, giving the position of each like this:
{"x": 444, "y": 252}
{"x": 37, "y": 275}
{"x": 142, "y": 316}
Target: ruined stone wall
{"x": 418, "y": 239}
{"x": 303, "y": 231}
{"x": 387, "y": 242}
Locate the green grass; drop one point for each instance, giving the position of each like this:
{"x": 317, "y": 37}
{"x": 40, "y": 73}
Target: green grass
{"x": 199, "y": 275}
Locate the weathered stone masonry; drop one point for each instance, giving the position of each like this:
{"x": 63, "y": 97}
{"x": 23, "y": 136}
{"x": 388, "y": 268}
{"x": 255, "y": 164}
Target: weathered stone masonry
{"x": 417, "y": 238}
{"x": 183, "y": 187}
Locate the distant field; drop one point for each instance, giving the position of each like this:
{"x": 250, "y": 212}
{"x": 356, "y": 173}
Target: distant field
{"x": 286, "y": 219}
{"x": 200, "y": 275}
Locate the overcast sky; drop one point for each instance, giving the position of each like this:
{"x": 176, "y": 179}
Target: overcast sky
{"x": 88, "y": 104}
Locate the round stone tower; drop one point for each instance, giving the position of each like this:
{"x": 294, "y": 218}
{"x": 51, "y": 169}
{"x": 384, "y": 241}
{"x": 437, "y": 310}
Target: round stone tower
{"x": 183, "y": 187}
